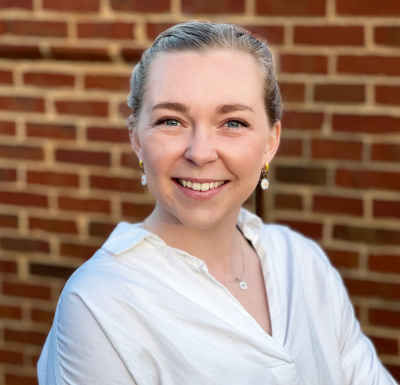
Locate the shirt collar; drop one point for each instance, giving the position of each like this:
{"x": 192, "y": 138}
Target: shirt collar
{"x": 126, "y": 236}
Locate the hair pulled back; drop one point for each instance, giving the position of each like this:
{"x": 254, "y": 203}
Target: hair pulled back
{"x": 200, "y": 36}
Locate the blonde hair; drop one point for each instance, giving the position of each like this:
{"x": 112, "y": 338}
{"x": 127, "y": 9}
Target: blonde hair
{"x": 199, "y": 37}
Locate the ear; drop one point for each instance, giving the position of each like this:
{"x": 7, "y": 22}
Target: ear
{"x": 273, "y": 142}
{"x": 136, "y": 144}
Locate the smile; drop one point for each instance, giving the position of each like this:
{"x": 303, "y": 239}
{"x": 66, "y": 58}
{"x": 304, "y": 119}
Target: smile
{"x": 200, "y": 186}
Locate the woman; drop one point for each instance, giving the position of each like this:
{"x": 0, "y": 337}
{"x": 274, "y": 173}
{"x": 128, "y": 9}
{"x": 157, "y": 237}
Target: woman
{"x": 201, "y": 292}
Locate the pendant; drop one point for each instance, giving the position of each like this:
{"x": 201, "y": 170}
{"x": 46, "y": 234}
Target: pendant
{"x": 243, "y": 285}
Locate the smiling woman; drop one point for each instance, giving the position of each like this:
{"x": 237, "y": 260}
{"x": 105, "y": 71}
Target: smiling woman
{"x": 202, "y": 292}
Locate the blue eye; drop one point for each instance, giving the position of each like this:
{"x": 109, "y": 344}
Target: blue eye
{"x": 171, "y": 122}
{"x": 235, "y": 124}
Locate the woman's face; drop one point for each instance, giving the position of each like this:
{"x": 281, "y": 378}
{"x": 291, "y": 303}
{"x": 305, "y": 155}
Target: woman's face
{"x": 197, "y": 105}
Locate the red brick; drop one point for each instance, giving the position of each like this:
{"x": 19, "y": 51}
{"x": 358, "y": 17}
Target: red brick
{"x": 21, "y": 104}
{"x": 110, "y": 135}
{"x": 8, "y": 221}
{"x": 339, "y": 93}
{"x": 384, "y": 263}
{"x": 140, "y": 6}
{"x": 53, "y": 271}
{"x": 309, "y": 229}
{"x": 212, "y": 6}
{"x": 98, "y": 229}
{"x": 6, "y": 77}
{"x": 26, "y": 290}
{"x": 7, "y": 128}
{"x": 52, "y": 178}
{"x": 291, "y": 147}
{"x": 394, "y": 370}
{"x": 3, "y": 28}
{"x": 77, "y": 250}
{"x": 336, "y": 149}
{"x": 385, "y": 345}
{"x": 130, "y": 160}
{"x": 79, "y": 53}
{"x": 10, "y": 312}
{"x": 21, "y": 152}
{"x": 132, "y": 55}
{"x": 387, "y": 95}
{"x": 288, "y": 201}
{"x": 24, "y": 245}
{"x": 42, "y": 316}
{"x": 312, "y": 64}
{"x": 111, "y": 30}
{"x": 46, "y": 79}
{"x": 7, "y": 174}
{"x": 72, "y": 5}
{"x": 53, "y": 131}
{"x": 111, "y": 82}
{"x": 329, "y": 35}
{"x": 386, "y": 209}
{"x": 25, "y": 336}
{"x": 366, "y": 235}
{"x": 343, "y": 259}
{"x": 273, "y": 34}
{"x": 382, "y": 317}
{"x": 82, "y": 108}
{"x": 124, "y": 110}
{"x": 24, "y": 4}
{"x": 302, "y": 120}
{"x": 94, "y": 158}
{"x": 364, "y": 179}
{"x": 115, "y": 184}
{"x": 154, "y": 29}
{"x": 366, "y": 124}
{"x": 15, "y": 379}
{"x": 370, "y": 65}
{"x": 368, "y": 7}
{"x": 37, "y": 28}
{"x": 8, "y": 267}
{"x": 367, "y": 288}
{"x": 23, "y": 199}
{"x": 20, "y": 51}
{"x": 290, "y": 7}
{"x": 85, "y": 205}
{"x": 338, "y": 205}
{"x": 387, "y": 36}
{"x": 10, "y": 357}
{"x": 301, "y": 175}
{"x": 53, "y": 225}
{"x": 136, "y": 211}
{"x": 292, "y": 92}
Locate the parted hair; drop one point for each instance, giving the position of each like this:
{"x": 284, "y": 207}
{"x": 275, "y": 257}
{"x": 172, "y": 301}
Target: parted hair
{"x": 201, "y": 36}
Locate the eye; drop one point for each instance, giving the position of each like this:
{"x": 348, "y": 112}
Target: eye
{"x": 168, "y": 122}
{"x": 235, "y": 124}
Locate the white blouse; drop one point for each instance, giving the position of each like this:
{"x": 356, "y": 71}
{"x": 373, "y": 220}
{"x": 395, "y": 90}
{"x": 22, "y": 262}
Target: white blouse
{"x": 140, "y": 312}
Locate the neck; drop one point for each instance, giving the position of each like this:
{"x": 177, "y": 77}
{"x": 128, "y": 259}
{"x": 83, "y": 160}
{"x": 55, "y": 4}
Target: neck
{"x": 218, "y": 246}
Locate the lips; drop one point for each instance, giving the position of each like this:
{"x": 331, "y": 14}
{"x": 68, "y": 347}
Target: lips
{"x": 200, "y": 186}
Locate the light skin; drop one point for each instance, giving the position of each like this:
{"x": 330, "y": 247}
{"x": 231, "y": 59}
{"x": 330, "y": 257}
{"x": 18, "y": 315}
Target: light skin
{"x": 197, "y": 105}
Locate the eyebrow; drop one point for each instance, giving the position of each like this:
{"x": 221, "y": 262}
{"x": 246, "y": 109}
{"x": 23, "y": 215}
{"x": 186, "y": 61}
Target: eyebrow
{"x": 180, "y": 107}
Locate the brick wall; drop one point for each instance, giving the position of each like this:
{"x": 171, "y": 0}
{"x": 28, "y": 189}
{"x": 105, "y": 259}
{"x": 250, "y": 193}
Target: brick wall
{"x": 67, "y": 173}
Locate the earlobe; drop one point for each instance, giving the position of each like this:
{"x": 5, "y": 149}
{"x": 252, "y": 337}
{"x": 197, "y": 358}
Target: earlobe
{"x": 273, "y": 142}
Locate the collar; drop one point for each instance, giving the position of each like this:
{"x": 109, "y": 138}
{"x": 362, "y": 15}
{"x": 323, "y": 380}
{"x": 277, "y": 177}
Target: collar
{"x": 126, "y": 235}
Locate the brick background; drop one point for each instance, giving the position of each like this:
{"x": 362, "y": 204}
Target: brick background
{"x": 68, "y": 175}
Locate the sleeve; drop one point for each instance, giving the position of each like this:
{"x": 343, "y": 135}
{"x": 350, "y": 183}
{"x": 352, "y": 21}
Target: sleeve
{"x": 77, "y": 350}
{"x": 359, "y": 359}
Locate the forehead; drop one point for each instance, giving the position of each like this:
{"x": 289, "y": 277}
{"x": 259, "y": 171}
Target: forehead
{"x": 214, "y": 75}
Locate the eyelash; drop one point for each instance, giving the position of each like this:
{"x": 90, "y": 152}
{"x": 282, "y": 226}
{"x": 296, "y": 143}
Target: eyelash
{"x": 241, "y": 122}
{"x": 168, "y": 118}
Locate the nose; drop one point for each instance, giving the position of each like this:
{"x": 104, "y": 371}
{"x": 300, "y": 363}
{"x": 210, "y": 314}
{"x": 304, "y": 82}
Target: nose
{"x": 200, "y": 149}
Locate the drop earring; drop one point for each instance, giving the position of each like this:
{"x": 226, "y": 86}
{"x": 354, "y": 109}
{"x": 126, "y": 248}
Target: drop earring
{"x": 144, "y": 179}
{"x": 264, "y": 174}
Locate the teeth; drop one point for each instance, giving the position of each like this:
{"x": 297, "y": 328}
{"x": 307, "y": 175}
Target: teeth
{"x": 200, "y": 186}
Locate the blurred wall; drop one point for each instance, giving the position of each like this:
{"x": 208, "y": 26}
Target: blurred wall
{"x": 68, "y": 175}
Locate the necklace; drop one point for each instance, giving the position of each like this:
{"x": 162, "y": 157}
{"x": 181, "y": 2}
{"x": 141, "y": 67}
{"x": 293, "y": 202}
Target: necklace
{"x": 242, "y": 284}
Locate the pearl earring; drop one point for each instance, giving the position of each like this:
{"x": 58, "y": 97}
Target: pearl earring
{"x": 144, "y": 179}
{"x": 264, "y": 181}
